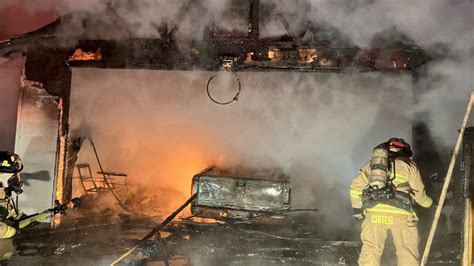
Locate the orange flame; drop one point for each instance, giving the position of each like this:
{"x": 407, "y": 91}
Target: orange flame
{"x": 80, "y": 55}
{"x": 274, "y": 54}
{"x": 60, "y": 170}
{"x": 308, "y": 55}
{"x": 248, "y": 58}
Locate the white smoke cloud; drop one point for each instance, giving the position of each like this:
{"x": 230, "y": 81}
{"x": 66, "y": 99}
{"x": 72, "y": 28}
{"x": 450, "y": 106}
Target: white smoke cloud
{"x": 160, "y": 127}
{"x": 110, "y": 19}
{"x": 281, "y": 125}
{"x": 428, "y": 23}
{"x": 335, "y": 113}
{"x": 451, "y": 85}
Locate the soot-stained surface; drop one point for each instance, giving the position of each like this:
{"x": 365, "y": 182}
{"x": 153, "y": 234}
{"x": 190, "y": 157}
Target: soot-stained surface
{"x": 97, "y": 236}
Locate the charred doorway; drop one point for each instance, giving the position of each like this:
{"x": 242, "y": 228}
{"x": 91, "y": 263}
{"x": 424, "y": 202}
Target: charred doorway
{"x": 160, "y": 128}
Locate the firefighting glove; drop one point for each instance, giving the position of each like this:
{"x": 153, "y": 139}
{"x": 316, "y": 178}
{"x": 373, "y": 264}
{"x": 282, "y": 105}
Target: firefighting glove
{"x": 358, "y": 214}
{"x": 15, "y": 184}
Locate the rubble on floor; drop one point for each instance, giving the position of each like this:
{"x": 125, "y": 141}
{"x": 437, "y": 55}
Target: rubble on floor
{"x": 97, "y": 236}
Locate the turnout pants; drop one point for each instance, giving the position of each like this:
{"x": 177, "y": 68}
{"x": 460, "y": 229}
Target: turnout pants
{"x": 6, "y": 249}
{"x": 404, "y": 233}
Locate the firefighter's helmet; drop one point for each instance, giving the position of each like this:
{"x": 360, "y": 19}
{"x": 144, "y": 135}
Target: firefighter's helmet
{"x": 10, "y": 167}
{"x": 399, "y": 147}
{"x": 10, "y": 163}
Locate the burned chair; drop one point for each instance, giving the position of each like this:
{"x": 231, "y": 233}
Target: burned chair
{"x": 92, "y": 184}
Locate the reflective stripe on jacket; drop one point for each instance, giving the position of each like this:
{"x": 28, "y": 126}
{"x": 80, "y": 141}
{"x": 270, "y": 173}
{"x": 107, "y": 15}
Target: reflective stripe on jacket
{"x": 407, "y": 179}
{"x": 6, "y": 231}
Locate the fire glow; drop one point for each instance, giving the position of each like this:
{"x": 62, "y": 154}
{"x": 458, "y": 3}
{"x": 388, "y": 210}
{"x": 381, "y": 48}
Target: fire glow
{"x": 80, "y": 55}
{"x": 160, "y": 129}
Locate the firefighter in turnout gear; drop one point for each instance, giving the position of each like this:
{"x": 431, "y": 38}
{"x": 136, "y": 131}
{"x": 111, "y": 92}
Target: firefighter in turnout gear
{"x": 382, "y": 195}
{"x": 10, "y": 167}
{"x": 11, "y": 219}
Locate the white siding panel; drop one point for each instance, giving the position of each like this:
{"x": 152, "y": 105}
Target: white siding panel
{"x": 36, "y": 143}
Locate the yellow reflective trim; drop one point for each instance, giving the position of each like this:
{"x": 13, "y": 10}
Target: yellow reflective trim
{"x": 11, "y": 211}
{"x": 35, "y": 218}
{"x": 355, "y": 193}
{"x": 6, "y": 255}
{"x": 386, "y": 206}
{"x": 427, "y": 203}
{"x": 401, "y": 178}
{"x": 387, "y": 209}
{"x": 399, "y": 211}
{"x": 400, "y": 181}
{"x": 10, "y": 232}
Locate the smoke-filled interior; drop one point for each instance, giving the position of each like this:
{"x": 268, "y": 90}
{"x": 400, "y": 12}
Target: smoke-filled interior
{"x": 161, "y": 128}
{"x": 322, "y": 83}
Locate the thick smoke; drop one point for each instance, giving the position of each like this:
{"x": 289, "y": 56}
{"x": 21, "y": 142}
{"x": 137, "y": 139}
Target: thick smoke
{"x": 429, "y": 24}
{"x": 448, "y": 23}
{"x": 318, "y": 127}
{"x": 442, "y": 27}
{"x": 160, "y": 127}
{"x": 111, "y": 19}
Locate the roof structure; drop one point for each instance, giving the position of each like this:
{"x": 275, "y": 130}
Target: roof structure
{"x": 94, "y": 42}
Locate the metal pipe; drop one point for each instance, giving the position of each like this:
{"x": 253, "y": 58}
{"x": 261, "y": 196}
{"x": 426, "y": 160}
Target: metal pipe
{"x": 155, "y": 230}
{"x": 109, "y": 186}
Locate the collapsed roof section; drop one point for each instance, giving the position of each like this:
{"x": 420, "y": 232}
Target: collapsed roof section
{"x": 251, "y": 36}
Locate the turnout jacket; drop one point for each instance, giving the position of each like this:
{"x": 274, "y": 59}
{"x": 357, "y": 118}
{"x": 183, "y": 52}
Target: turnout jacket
{"x": 6, "y": 231}
{"x": 406, "y": 178}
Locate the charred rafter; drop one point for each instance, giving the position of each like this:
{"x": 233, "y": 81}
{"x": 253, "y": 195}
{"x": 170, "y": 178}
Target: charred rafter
{"x": 168, "y": 30}
{"x": 45, "y": 49}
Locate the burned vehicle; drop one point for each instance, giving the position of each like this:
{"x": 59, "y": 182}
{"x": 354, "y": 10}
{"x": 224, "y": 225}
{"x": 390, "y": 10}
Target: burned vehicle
{"x": 241, "y": 194}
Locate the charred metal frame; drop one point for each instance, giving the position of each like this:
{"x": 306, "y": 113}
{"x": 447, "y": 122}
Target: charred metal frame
{"x": 220, "y": 193}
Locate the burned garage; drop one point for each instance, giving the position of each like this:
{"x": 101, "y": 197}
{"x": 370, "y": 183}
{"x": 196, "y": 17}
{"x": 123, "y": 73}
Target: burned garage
{"x": 251, "y": 132}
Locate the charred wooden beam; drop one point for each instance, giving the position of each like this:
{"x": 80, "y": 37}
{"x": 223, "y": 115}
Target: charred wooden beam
{"x": 467, "y": 187}
{"x": 254, "y": 19}
{"x": 48, "y": 58}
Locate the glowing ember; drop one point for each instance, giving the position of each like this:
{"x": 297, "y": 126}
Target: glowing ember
{"x": 325, "y": 62}
{"x": 274, "y": 54}
{"x": 308, "y": 55}
{"x": 80, "y": 55}
{"x": 248, "y": 58}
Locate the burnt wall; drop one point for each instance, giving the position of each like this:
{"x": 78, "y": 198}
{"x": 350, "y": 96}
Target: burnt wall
{"x": 467, "y": 187}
